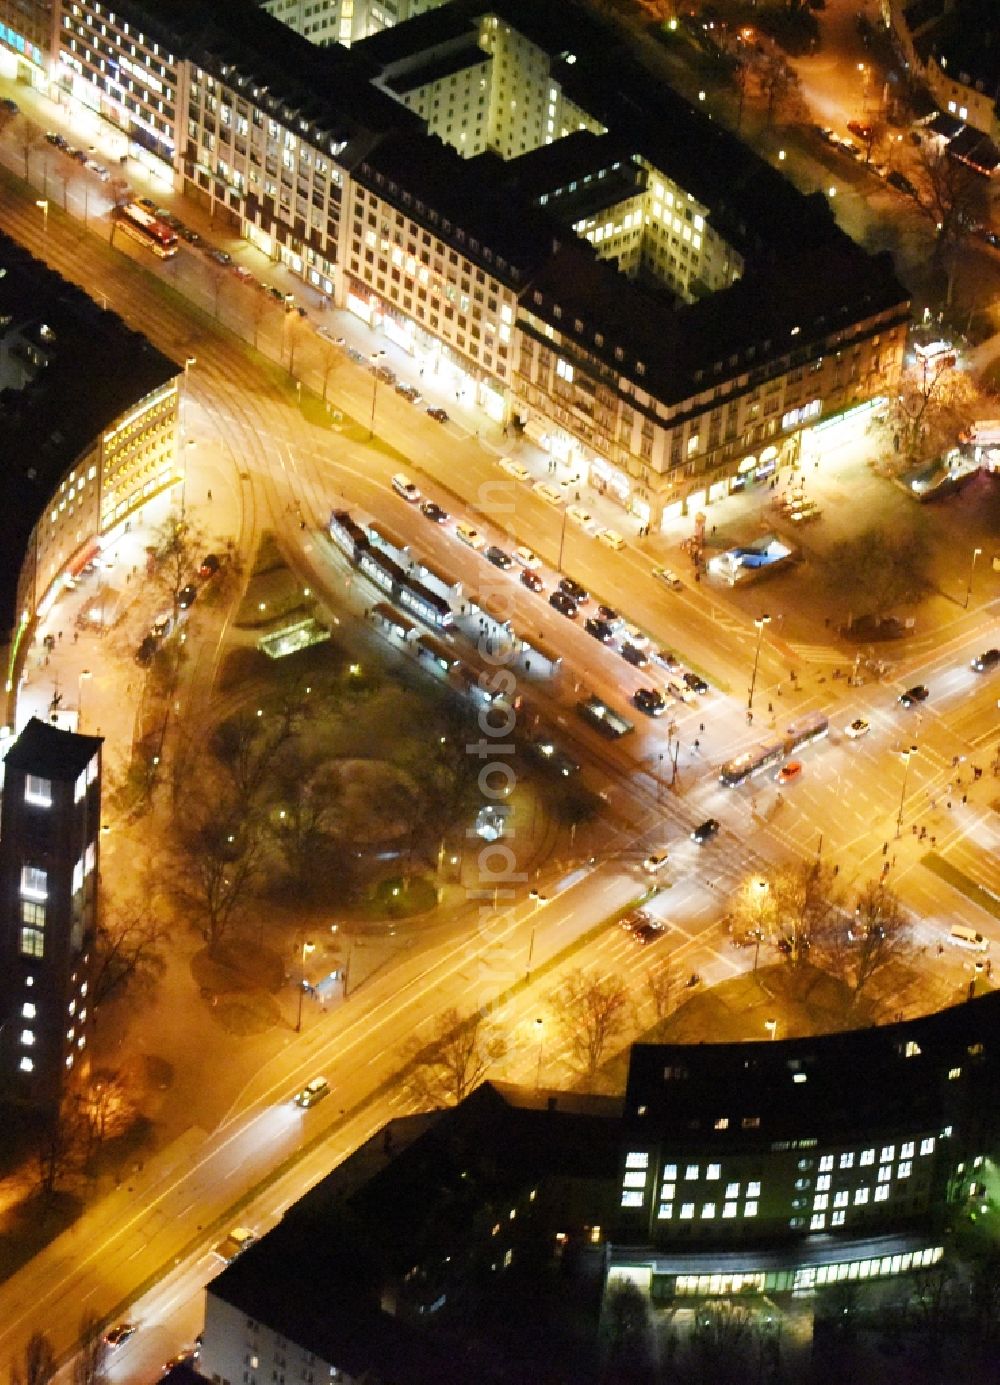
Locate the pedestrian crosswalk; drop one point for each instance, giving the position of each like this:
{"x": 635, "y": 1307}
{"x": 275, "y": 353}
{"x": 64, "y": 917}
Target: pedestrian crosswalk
{"x": 819, "y": 654}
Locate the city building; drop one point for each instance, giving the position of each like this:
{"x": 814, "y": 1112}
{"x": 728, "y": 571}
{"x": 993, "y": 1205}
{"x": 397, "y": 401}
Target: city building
{"x": 88, "y": 424}
{"x": 506, "y": 193}
{"x": 26, "y": 39}
{"x": 343, "y": 21}
{"x": 784, "y": 1165}
{"x": 49, "y": 866}
{"x": 753, "y": 1169}
{"x": 953, "y": 46}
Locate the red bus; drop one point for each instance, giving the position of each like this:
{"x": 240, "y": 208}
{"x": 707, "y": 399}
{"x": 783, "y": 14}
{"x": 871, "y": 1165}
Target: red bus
{"x": 141, "y": 226}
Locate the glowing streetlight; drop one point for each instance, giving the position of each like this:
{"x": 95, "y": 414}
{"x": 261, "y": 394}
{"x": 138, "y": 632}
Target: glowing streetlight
{"x": 972, "y": 571}
{"x": 376, "y": 357}
{"x": 772, "y": 1027}
{"x": 906, "y": 754}
{"x": 81, "y": 679}
{"x": 306, "y": 949}
{"x": 43, "y": 204}
{"x": 759, "y": 623}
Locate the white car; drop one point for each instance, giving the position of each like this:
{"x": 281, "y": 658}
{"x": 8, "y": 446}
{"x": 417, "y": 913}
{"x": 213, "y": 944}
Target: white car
{"x": 580, "y": 516}
{"x": 669, "y": 578}
{"x": 527, "y": 558}
{"x": 857, "y": 728}
{"x": 655, "y": 862}
{"x": 548, "y": 493}
{"x": 611, "y": 539}
{"x": 634, "y": 635}
{"x": 238, "y": 1240}
{"x": 516, "y": 469}
{"x": 472, "y": 537}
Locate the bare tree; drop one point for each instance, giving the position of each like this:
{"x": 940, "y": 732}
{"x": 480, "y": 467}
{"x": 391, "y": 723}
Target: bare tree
{"x": 878, "y": 570}
{"x": 218, "y": 277}
{"x": 129, "y": 949}
{"x": 176, "y": 546}
{"x": 38, "y": 1365}
{"x": 456, "y": 1059}
{"x": 60, "y": 1148}
{"x": 303, "y": 815}
{"x": 107, "y": 1105}
{"x": 592, "y": 1012}
{"x": 807, "y": 904}
{"x": 248, "y": 745}
{"x": 329, "y": 355}
{"x": 880, "y": 935}
{"x": 88, "y": 1363}
{"x": 954, "y": 197}
{"x": 627, "y": 1332}
{"x": 30, "y": 140}
{"x": 933, "y": 404}
{"x": 216, "y": 860}
{"x": 660, "y": 989}
{"x": 722, "y": 1343}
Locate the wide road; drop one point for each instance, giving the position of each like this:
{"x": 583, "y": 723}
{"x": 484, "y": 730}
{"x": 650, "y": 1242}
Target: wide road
{"x": 846, "y": 801}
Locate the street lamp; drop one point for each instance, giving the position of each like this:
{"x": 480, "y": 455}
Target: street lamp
{"x": 760, "y": 623}
{"x": 84, "y": 674}
{"x": 306, "y": 949}
{"x": 43, "y": 204}
{"x": 376, "y": 356}
{"x": 537, "y": 900}
{"x": 902, "y": 795}
{"x": 968, "y": 591}
{"x": 772, "y": 1027}
{"x": 562, "y": 539}
{"x": 540, "y": 1031}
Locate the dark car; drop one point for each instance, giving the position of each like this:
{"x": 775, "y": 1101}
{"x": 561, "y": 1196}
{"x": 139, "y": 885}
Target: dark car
{"x": 409, "y": 392}
{"x": 609, "y": 614}
{"x": 574, "y": 591}
{"x": 989, "y": 658}
{"x": 146, "y": 652}
{"x": 600, "y": 629}
{"x": 7, "y": 103}
{"x": 222, "y": 257}
{"x": 564, "y": 604}
{"x": 120, "y": 1334}
{"x": 901, "y": 183}
{"x": 668, "y": 659}
{"x": 498, "y": 557}
{"x": 649, "y": 931}
{"x": 431, "y": 510}
{"x": 531, "y": 580}
{"x": 80, "y": 155}
{"x": 705, "y": 832}
{"x": 384, "y": 373}
{"x": 210, "y": 565}
{"x": 186, "y": 596}
{"x": 186, "y": 233}
{"x": 435, "y": 411}
{"x": 650, "y": 701}
{"x": 695, "y": 682}
{"x": 633, "y": 655}
{"x": 147, "y": 204}
{"x": 918, "y": 693}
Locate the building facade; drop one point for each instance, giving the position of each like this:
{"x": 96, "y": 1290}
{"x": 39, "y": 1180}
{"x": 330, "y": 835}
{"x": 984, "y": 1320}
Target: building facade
{"x": 90, "y": 425}
{"x": 49, "y": 869}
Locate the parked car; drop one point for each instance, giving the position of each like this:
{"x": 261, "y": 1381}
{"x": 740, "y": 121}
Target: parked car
{"x": 633, "y": 655}
{"x": 7, "y": 103}
{"x": 600, "y": 629}
{"x": 498, "y": 558}
{"x": 531, "y": 580}
{"x": 918, "y": 693}
{"x": 222, "y": 257}
{"x": 191, "y": 236}
{"x": 516, "y": 469}
{"x": 55, "y": 139}
{"x": 431, "y": 510}
{"x": 210, "y": 565}
{"x": 472, "y": 537}
{"x": 548, "y": 493}
{"x": 186, "y": 596}
{"x": 705, "y": 831}
{"x": 667, "y": 659}
{"x": 409, "y": 392}
{"x": 580, "y": 516}
{"x": 650, "y": 701}
{"x": 436, "y": 412}
{"x": 989, "y": 659}
{"x": 611, "y": 539}
{"x": 241, "y": 1238}
{"x": 243, "y": 274}
{"x": 564, "y": 604}
{"x": 696, "y": 683}
{"x": 574, "y": 591}
{"x": 609, "y": 614}
{"x": 526, "y": 557}
{"x": 901, "y": 183}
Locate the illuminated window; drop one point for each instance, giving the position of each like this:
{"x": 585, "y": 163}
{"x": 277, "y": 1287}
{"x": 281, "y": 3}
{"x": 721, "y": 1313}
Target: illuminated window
{"x": 26, "y": 1064}
{"x": 691, "y": 1171}
{"x": 34, "y": 883}
{"x": 817, "y": 1222}
{"x": 707, "y": 1211}
{"x": 860, "y": 1197}
{"x": 722, "y": 1123}
{"x": 28, "y": 1037}
{"x": 867, "y": 1156}
{"x": 753, "y": 1189}
{"x": 823, "y": 1183}
{"x": 634, "y": 1178}
{"x": 885, "y": 1173}
{"x": 564, "y": 370}
{"x": 836, "y": 1218}
{"x": 954, "y": 1073}
{"x": 906, "y": 1151}
{"x": 841, "y": 1199}
{"x": 847, "y": 1161}
{"x": 905, "y": 1168}
{"x": 713, "y": 1171}
{"x": 882, "y": 1194}
{"x": 729, "y": 1209}
{"x": 638, "y": 1159}
{"x": 28, "y": 1010}
{"x": 666, "y": 1212}
{"x": 888, "y": 1154}
{"x": 732, "y": 1190}
{"x": 631, "y": 1199}
{"x": 668, "y": 1191}
{"x": 927, "y": 1146}
{"x": 669, "y": 1172}
{"x": 750, "y": 1209}
{"x": 826, "y": 1163}
{"x": 820, "y": 1202}
{"x": 687, "y": 1211}
{"x": 38, "y": 791}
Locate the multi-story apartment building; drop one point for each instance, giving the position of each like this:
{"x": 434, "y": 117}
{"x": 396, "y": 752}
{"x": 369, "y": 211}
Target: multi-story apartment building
{"x": 49, "y": 859}
{"x": 442, "y": 179}
{"x": 953, "y": 46}
{"x": 89, "y": 427}
{"x": 26, "y": 38}
{"x": 343, "y": 21}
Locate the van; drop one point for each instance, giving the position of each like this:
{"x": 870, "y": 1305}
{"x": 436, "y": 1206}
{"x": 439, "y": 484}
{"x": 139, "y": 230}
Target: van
{"x": 968, "y": 937}
{"x": 548, "y": 493}
{"x": 403, "y": 486}
{"x": 611, "y": 539}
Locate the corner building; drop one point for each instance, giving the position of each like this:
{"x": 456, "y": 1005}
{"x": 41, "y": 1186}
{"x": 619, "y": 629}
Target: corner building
{"x": 49, "y": 863}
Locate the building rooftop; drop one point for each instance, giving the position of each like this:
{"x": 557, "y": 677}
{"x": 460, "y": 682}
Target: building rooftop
{"x": 44, "y": 750}
{"x": 798, "y": 1088}
{"x": 68, "y": 369}
{"x": 965, "y": 42}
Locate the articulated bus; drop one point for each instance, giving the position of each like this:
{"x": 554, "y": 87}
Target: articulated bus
{"x": 808, "y": 728}
{"x": 156, "y": 235}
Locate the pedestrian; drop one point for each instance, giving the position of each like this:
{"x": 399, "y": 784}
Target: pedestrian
{"x": 210, "y": 497}
{"x": 697, "y": 744}
{"x": 701, "y": 726}
{"x": 965, "y": 798}
{"x": 60, "y": 634}
{"x": 885, "y": 848}
{"x": 749, "y": 717}
{"x": 770, "y": 709}
{"x": 76, "y": 636}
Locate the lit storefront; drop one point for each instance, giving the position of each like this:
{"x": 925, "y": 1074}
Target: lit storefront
{"x": 845, "y": 429}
